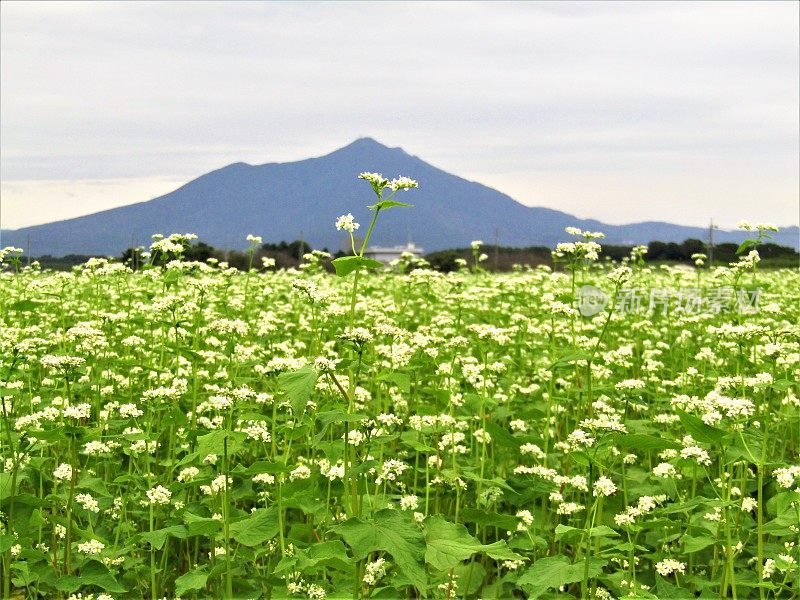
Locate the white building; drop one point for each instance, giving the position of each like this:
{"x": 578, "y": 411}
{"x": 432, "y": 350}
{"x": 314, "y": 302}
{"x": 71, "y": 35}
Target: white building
{"x": 388, "y": 254}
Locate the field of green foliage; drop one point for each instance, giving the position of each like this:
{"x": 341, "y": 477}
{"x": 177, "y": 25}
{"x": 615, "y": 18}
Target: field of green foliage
{"x": 192, "y": 431}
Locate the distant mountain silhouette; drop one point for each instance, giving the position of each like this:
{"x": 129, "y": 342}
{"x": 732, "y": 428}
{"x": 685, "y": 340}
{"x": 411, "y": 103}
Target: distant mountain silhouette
{"x": 287, "y": 201}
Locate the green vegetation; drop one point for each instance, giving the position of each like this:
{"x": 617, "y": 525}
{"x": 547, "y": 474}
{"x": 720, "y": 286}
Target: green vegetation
{"x": 193, "y": 430}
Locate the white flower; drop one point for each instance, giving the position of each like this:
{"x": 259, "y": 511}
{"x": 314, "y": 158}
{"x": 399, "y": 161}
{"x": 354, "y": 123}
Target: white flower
{"x": 518, "y": 425}
{"x": 255, "y": 239}
{"x": 665, "y": 470}
{"x": 87, "y": 502}
{"x": 768, "y": 569}
{"x": 63, "y": 472}
{"x": 188, "y": 474}
{"x": 604, "y": 487}
{"x": 91, "y": 547}
{"x": 129, "y": 410}
{"x": 569, "y": 508}
{"x": 533, "y": 450}
{"x": 620, "y": 275}
{"x": 377, "y": 180}
{"x": 482, "y": 436}
{"x": 374, "y": 571}
{"x": 526, "y": 520}
{"x": 346, "y": 222}
{"x": 410, "y": 502}
{"x": 403, "y": 183}
{"x": 264, "y": 478}
{"x": 749, "y": 504}
{"x": 696, "y": 453}
{"x": 787, "y": 475}
{"x": 218, "y": 485}
{"x": 62, "y": 363}
{"x": 669, "y": 566}
{"x": 355, "y": 437}
{"x": 300, "y": 472}
{"x": 159, "y": 495}
{"x": 390, "y": 470}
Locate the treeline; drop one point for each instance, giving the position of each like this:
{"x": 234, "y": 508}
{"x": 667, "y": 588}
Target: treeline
{"x": 290, "y": 254}
{"x": 285, "y": 254}
{"x": 498, "y": 258}
{"x": 722, "y": 254}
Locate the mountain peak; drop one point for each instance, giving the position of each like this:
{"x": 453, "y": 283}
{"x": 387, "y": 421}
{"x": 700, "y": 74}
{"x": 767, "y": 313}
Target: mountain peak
{"x": 302, "y": 199}
{"x": 367, "y": 144}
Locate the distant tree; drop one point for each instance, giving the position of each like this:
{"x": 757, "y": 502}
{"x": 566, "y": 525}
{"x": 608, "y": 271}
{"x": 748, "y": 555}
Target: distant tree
{"x": 296, "y": 248}
{"x": 616, "y": 252}
{"x": 199, "y": 251}
{"x": 445, "y": 260}
{"x": 692, "y": 246}
{"x": 725, "y": 253}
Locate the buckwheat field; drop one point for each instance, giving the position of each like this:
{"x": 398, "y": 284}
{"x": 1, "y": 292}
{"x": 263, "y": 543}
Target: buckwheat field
{"x": 188, "y": 430}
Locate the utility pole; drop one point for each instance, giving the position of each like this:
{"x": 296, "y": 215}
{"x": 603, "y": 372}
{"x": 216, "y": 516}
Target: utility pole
{"x": 711, "y": 244}
{"x": 302, "y": 247}
{"x": 496, "y": 246}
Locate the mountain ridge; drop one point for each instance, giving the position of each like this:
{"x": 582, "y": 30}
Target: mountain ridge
{"x": 301, "y": 199}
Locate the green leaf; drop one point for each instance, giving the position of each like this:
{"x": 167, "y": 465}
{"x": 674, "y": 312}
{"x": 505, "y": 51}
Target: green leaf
{"x": 321, "y": 555}
{"x": 700, "y": 431}
{"x": 487, "y": 518}
{"x": 569, "y": 359}
{"x": 345, "y": 265}
{"x": 371, "y": 263}
{"x": 196, "y": 525}
{"x": 745, "y": 245}
{"x": 401, "y": 380}
{"x": 450, "y": 543}
{"x": 570, "y": 534}
{"x": 392, "y": 532}
{"x": 25, "y": 305}
{"x": 501, "y": 436}
{"x": 338, "y": 416}
{"x": 470, "y": 574}
{"x": 158, "y": 537}
{"x": 95, "y": 573}
{"x": 640, "y": 441}
{"x": 5, "y": 486}
{"x": 256, "y": 529}
{"x": 94, "y": 484}
{"x": 384, "y": 204}
{"x": 298, "y": 386}
{"x": 668, "y": 590}
{"x": 214, "y": 442}
{"x": 500, "y": 551}
{"x": 23, "y": 577}
{"x": 68, "y": 583}
{"x": 555, "y": 571}
{"x": 193, "y": 580}
{"x": 695, "y": 544}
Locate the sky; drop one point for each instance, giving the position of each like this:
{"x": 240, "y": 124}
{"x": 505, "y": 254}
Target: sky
{"x": 623, "y": 112}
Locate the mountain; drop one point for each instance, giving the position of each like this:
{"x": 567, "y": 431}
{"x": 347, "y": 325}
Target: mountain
{"x": 287, "y": 201}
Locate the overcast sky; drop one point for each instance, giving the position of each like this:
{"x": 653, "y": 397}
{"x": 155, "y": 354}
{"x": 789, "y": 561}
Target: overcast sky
{"x": 618, "y": 111}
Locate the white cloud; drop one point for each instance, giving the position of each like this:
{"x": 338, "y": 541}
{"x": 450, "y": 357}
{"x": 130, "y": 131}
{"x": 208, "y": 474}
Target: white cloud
{"x": 32, "y": 202}
{"x": 547, "y": 101}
